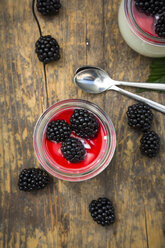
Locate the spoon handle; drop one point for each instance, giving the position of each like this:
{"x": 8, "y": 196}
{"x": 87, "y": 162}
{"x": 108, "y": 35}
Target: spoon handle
{"x": 153, "y": 86}
{"x": 151, "y": 103}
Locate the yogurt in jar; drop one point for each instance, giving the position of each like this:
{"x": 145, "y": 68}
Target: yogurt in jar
{"x": 137, "y": 30}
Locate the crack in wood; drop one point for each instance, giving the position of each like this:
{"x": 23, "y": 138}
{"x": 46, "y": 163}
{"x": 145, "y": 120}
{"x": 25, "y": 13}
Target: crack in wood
{"x": 46, "y": 86}
{"x": 146, "y": 227}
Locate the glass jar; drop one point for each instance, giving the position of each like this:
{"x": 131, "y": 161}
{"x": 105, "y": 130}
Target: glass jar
{"x": 70, "y": 173}
{"x": 139, "y": 40}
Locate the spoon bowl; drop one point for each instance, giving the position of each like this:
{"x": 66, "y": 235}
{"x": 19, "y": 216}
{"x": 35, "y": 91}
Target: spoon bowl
{"x": 92, "y": 79}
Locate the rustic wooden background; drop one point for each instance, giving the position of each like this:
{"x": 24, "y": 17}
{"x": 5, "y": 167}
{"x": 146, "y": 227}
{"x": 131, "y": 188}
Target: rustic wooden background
{"x": 58, "y": 215}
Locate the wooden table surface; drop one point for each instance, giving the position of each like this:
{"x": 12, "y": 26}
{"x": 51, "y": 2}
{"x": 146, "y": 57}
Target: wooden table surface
{"x": 58, "y": 216}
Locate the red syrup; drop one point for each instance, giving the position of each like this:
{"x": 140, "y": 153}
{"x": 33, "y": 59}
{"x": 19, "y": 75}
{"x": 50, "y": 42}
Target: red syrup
{"x": 95, "y": 148}
{"x": 146, "y": 23}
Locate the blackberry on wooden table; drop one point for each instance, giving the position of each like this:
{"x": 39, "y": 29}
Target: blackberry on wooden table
{"x": 48, "y": 7}
{"x": 150, "y": 144}
{"x": 58, "y": 130}
{"x": 84, "y": 124}
{"x": 140, "y": 116}
{"x": 73, "y": 150}
{"x": 47, "y": 49}
{"x": 33, "y": 179}
{"x": 102, "y": 211}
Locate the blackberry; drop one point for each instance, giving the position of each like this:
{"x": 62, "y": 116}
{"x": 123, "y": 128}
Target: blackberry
{"x": 102, "y": 211}
{"x": 73, "y": 150}
{"x": 84, "y": 124}
{"x": 150, "y": 7}
{"x": 48, "y": 7}
{"x": 150, "y": 144}
{"x": 58, "y": 130}
{"x": 160, "y": 26}
{"x": 140, "y": 116}
{"x": 32, "y": 179}
{"x": 47, "y": 49}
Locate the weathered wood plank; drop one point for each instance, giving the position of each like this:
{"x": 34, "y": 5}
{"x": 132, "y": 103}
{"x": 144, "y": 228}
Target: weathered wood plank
{"x": 22, "y": 100}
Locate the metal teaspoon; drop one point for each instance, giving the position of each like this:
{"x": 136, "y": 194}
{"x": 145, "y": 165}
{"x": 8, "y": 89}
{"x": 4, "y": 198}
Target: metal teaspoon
{"x": 96, "y": 80}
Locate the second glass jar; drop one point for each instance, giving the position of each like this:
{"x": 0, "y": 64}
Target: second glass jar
{"x": 139, "y": 40}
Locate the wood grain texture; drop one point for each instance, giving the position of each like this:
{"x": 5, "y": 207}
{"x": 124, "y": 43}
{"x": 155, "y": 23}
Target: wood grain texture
{"x": 88, "y": 33}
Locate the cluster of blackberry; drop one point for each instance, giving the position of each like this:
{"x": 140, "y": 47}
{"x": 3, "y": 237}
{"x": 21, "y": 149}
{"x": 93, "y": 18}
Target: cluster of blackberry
{"x": 150, "y": 143}
{"x": 140, "y": 117}
{"x": 58, "y": 131}
{"x": 73, "y": 150}
{"x": 83, "y": 124}
{"x": 48, "y": 7}
{"x": 154, "y": 8}
{"x": 33, "y": 179}
{"x": 102, "y": 211}
{"x": 47, "y": 49}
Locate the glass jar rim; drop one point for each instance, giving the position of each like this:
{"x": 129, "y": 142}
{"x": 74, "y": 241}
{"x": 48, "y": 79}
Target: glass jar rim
{"x": 137, "y": 29}
{"x": 61, "y": 174}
